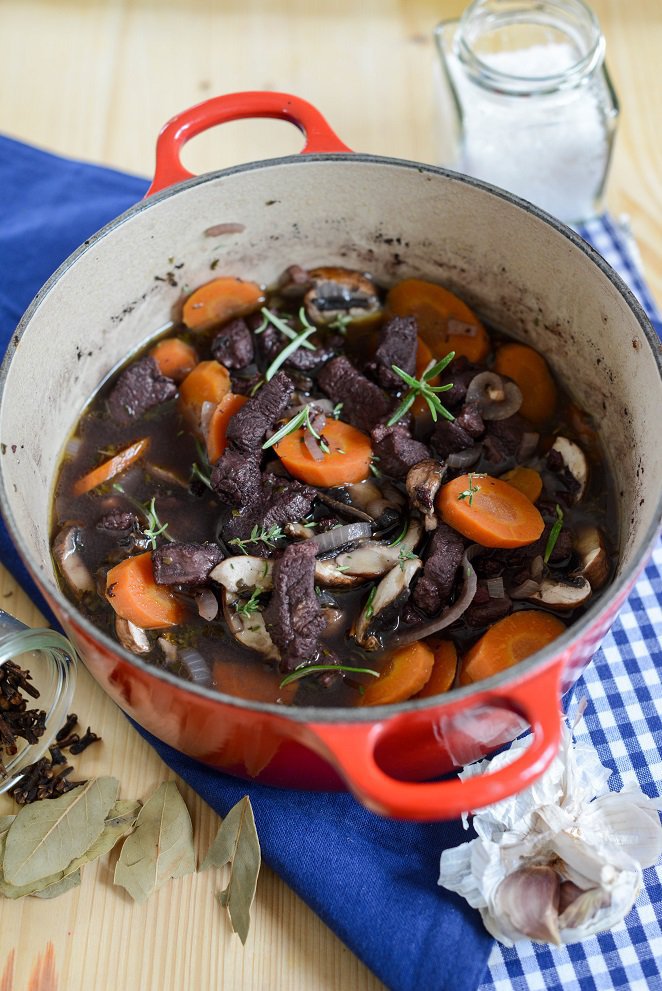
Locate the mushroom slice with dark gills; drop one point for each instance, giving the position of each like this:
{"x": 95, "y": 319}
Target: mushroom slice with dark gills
{"x": 384, "y": 604}
{"x": 372, "y": 559}
{"x": 132, "y": 637}
{"x": 574, "y": 465}
{"x": 423, "y": 483}
{"x": 562, "y": 595}
{"x": 69, "y": 560}
{"x": 589, "y": 544}
{"x": 339, "y": 293}
{"x": 243, "y": 578}
{"x": 497, "y": 398}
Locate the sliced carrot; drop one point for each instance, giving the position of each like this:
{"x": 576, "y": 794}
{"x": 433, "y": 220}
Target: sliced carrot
{"x": 134, "y": 595}
{"x": 348, "y": 459}
{"x": 218, "y": 424}
{"x": 251, "y": 679}
{"x": 174, "y": 357}
{"x": 209, "y": 382}
{"x": 444, "y": 322}
{"x": 443, "y": 672}
{"x": 530, "y": 371}
{"x": 508, "y": 642}
{"x": 111, "y": 468}
{"x": 525, "y": 480}
{"x": 221, "y": 300}
{"x": 489, "y": 511}
{"x": 406, "y": 672}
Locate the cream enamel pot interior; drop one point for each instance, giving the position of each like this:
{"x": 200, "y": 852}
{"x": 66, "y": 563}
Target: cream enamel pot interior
{"x": 517, "y": 267}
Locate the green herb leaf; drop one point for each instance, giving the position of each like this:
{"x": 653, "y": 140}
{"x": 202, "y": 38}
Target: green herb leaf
{"x": 368, "y": 606}
{"x": 553, "y": 534}
{"x": 405, "y": 556}
{"x": 258, "y": 535}
{"x": 251, "y": 605}
{"x": 160, "y": 847}
{"x": 317, "y": 668}
{"x": 237, "y": 843}
{"x": 283, "y": 327}
{"x": 46, "y": 836}
{"x": 289, "y": 349}
{"x": 469, "y": 493}
{"x": 422, "y": 387}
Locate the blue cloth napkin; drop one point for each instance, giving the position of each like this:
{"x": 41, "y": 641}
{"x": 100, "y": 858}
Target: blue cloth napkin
{"x": 372, "y": 880}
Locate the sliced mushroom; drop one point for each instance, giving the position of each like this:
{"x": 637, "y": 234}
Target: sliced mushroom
{"x": 590, "y": 546}
{"x": 373, "y": 559}
{"x": 575, "y": 461}
{"x": 132, "y": 637}
{"x": 423, "y": 482}
{"x": 169, "y": 649}
{"x": 564, "y": 596}
{"x": 383, "y": 607}
{"x": 298, "y": 531}
{"x": 329, "y": 575}
{"x": 294, "y": 282}
{"x": 497, "y": 398}
{"x": 250, "y": 630}
{"x": 383, "y": 504}
{"x": 340, "y": 292}
{"x": 66, "y": 551}
{"x": 243, "y": 573}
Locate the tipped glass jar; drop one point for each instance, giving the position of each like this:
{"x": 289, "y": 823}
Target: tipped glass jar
{"x": 527, "y": 103}
{"x": 42, "y": 708}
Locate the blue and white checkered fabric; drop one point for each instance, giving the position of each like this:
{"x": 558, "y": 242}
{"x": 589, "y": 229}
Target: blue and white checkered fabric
{"x": 623, "y": 721}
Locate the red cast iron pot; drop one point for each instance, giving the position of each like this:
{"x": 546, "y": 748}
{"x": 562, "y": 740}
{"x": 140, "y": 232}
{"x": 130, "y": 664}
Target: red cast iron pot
{"x": 518, "y": 267}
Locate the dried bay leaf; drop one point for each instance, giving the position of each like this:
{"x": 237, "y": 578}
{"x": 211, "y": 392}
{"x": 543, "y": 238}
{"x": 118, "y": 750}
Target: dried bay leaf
{"x": 125, "y": 810}
{"x": 47, "y": 836}
{"x": 160, "y": 847}
{"x": 237, "y": 843}
{"x": 60, "y": 887}
{"x": 5, "y": 823}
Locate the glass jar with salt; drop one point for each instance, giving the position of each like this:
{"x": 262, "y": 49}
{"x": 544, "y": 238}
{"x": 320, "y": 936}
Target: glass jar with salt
{"x": 527, "y": 102}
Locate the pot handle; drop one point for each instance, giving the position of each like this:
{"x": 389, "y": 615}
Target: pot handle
{"x": 235, "y": 106}
{"x": 351, "y": 749}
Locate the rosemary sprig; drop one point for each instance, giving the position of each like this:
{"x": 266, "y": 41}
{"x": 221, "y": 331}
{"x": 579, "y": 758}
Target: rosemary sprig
{"x": 300, "y": 419}
{"x": 289, "y": 349}
{"x": 251, "y": 605}
{"x": 469, "y": 493}
{"x": 337, "y": 409}
{"x": 282, "y": 326}
{"x": 197, "y": 472}
{"x": 401, "y": 536}
{"x": 318, "y": 668}
{"x": 422, "y": 387}
{"x": 554, "y": 534}
{"x": 369, "y": 611}
{"x": 258, "y": 535}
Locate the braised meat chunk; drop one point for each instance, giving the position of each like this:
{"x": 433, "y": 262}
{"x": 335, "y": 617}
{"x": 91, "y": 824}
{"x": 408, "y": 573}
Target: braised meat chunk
{"x": 444, "y": 557}
{"x": 233, "y": 345}
{"x": 397, "y": 346}
{"x": 184, "y": 564}
{"x": 248, "y": 428}
{"x": 294, "y": 617}
{"x": 364, "y": 403}
{"x": 139, "y": 387}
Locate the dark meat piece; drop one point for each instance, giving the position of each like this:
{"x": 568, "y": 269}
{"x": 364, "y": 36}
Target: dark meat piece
{"x": 233, "y": 345}
{"x": 364, "y": 403}
{"x": 248, "y": 427}
{"x": 397, "y": 450}
{"x": 301, "y": 360}
{"x": 293, "y": 617}
{"x": 245, "y": 383}
{"x": 448, "y": 437}
{"x": 121, "y": 520}
{"x": 459, "y": 373}
{"x": 503, "y": 437}
{"x": 397, "y": 346}
{"x": 469, "y": 419}
{"x": 443, "y": 559}
{"x": 236, "y": 478}
{"x": 184, "y": 564}
{"x": 279, "y": 502}
{"x": 484, "y": 609}
{"x": 140, "y": 387}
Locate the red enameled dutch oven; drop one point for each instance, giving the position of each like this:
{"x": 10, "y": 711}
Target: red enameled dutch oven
{"x": 516, "y": 266}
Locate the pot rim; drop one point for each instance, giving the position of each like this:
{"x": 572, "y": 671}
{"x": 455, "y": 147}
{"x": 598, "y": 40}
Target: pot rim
{"x": 309, "y": 714}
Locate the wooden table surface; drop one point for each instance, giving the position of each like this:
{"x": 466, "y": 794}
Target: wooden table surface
{"x": 96, "y": 81}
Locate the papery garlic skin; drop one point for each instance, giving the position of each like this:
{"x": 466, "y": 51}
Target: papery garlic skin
{"x": 554, "y": 863}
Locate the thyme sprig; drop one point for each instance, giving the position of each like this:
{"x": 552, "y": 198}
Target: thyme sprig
{"x": 251, "y": 605}
{"x": 404, "y": 556}
{"x": 319, "y": 668}
{"x": 469, "y": 493}
{"x": 421, "y": 387}
{"x": 154, "y": 526}
{"x": 554, "y": 534}
{"x": 263, "y": 535}
{"x": 300, "y": 419}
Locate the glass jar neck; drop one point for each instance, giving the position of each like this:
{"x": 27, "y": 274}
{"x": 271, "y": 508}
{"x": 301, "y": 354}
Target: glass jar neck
{"x": 529, "y": 47}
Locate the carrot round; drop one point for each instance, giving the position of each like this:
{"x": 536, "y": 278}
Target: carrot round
{"x": 508, "y": 642}
{"x": 529, "y": 370}
{"x": 525, "y": 480}
{"x": 407, "y": 671}
{"x": 444, "y": 322}
{"x": 443, "y": 671}
{"x": 218, "y": 424}
{"x": 489, "y": 511}
{"x": 348, "y": 459}
{"x": 221, "y": 300}
{"x": 111, "y": 468}
{"x": 175, "y": 358}
{"x": 134, "y": 595}
{"x": 209, "y": 382}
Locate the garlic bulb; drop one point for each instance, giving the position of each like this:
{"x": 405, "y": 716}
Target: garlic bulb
{"x": 554, "y": 863}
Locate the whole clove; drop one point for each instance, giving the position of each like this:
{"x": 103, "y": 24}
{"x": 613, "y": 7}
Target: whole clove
{"x": 84, "y": 742}
{"x": 16, "y": 719}
{"x": 70, "y": 722}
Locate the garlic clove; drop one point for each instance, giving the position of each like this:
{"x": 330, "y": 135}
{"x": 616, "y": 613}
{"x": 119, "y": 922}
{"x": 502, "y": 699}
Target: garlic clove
{"x": 529, "y": 899}
{"x": 628, "y": 820}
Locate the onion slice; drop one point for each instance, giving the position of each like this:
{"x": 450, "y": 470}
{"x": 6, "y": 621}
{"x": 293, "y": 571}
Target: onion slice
{"x": 448, "y": 616}
{"x": 207, "y": 604}
{"x": 341, "y": 535}
{"x": 495, "y": 588}
{"x": 527, "y": 588}
{"x": 312, "y": 444}
{"x": 196, "y": 666}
